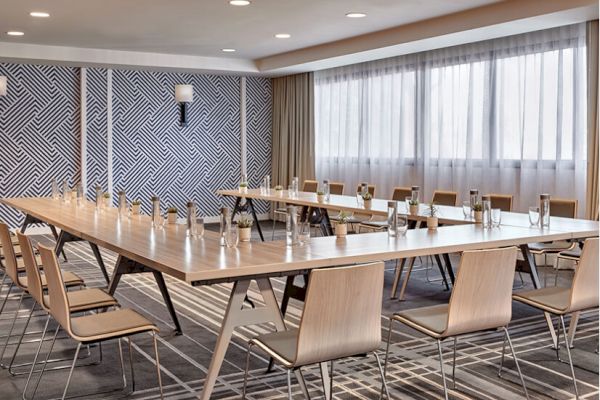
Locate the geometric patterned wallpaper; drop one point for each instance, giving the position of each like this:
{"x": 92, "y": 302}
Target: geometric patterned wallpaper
{"x": 152, "y": 154}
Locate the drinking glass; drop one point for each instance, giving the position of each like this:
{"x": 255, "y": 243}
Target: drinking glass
{"x": 402, "y": 224}
{"x": 407, "y": 200}
{"x": 496, "y": 217}
{"x": 359, "y": 199}
{"x": 232, "y": 238}
{"x": 199, "y": 227}
{"x": 466, "y": 209}
{"x": 290, "y": 191}
{"x": 304, "y": 233}
{"x": 534, "y": 216}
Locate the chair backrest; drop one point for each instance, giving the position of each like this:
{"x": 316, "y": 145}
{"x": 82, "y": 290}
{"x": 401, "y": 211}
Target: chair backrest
{"x": 370, "y": 188}
{"x": 310, "y": 186}
{"x": 444, "y": 198}
{"x": 32, "y": 271}
{"x": 342, "y": 313}
{"x": 401, "y": 193}
{"x": 501, "y": 201}
{"x": 566, "y": 208}
{"x": 336, "y": 188}
{"x": 10, "y": 259}
{"x": 482, "y": 295}
{"x": 59, "y": 303}
{"x": 584, "y": 291}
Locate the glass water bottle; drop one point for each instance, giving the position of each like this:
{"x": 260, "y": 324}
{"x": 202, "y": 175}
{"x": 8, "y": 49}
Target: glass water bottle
{"x": 65, "y": 191}
{"x": 326, "y": 190}
{"x": 473, "y": 198}
{"x": 98, "y": 197}
{"x": 392, "y": 218}
{"x": 123, "y": 210}
{"x": 225, "y": 222}
{"x": 55, "y": 192}
{"x": 487, "y": 213}
{"x": 156, "y": 217}
{"x": 80, "y": 198}
{"x": 545, "y": 210}
{"x": 191, "y": 219}
{"x": 291, "y": 226}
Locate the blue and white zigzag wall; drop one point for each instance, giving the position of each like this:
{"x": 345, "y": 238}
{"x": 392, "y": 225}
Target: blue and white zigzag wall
{"x": 130, "y": 136}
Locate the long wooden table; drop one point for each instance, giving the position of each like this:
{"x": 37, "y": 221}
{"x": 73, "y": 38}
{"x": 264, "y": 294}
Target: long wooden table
{"x": 167, "y": 250}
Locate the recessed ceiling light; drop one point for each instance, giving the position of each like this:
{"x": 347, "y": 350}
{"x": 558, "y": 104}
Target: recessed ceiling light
{"x": 228, "y": 50}
{"x": 14, "y": 33}
{"x": 283, "y": 36}
{"x": 239, "y": 2}
{"x": 356, "y": 15}
{"x": 39, "y": 14}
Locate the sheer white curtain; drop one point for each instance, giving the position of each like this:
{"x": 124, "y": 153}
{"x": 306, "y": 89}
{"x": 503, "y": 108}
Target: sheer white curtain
{"x": 504, "y": 116}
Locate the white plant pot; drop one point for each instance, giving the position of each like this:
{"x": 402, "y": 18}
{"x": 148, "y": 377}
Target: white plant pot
{"x": 321, "y": 198}
{"x": 279, "y": 193}
{"x": 478, "y": 216}
{"x": 368, "y": 204}
{"x": 432, "y": 223}
{"x": 74, "y": 195}
{"x": 106, "y": 202}
{"x": 341, "y": 230}
{"x": 243, "y": 189}
{"x": 171, "y": 218}
{"x": 414, "y": 210}
{"x": 135, "y": 209}
{"x": 245, "y": 234}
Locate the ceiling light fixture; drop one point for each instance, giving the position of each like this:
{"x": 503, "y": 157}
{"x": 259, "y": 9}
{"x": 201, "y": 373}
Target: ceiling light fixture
{"x": 14, "y": 33}
{"x": 228, "y": 50}
{"x": 283, "y": 36}
{"x": 239, "y": 2}
{"x": 39, "y": 14}
{"x": 356, "y": 15}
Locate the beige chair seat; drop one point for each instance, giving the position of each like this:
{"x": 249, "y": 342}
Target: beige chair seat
{"x": 110, "y": 325}
{"x": 573, "y": 254}
{"x": 69, "y": 278}
{"x": 431, "y": 320}
{"x": 375, "y": 224}
{"x": 552, "y": 299}
{"x": 88, "y": 299}
{"x": 551, "y": 247}
{"x": 279, "y": 345}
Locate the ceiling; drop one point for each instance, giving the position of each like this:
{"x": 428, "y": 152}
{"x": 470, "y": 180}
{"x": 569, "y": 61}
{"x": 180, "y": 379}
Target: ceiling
{"x": 147, "y": 33}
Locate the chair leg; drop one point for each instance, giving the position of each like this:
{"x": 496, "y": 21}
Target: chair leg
{"x": 249, "y": 351}
{"x": 273, "y": 230}
{"x": 157, "y": 365}
{"x": 439, "y": 343}
{"x": 71, "y": 371}
{"x": 12, "y": 327}
{"x": 12, "y": 359}
{"x": 454, "y": 365}
{"x": 331, "y": 381}
{"x": 383, "y": 381}
{"x": 502, "y": 356}
{"x": 129, "y": 341}
{"x": 46, "y": 360}
{"x": 562, "y": 323}
{"x": 37, "y": 353}
{"x": 6, "y": 297}
{"x": 122, "y": 363}
{"x": 385, "y": 362}
{"x": 514, "y": 355}
{"x": 289, "y": 383}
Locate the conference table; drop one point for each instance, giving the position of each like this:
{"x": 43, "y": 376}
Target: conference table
{"x": 202, "y": 261}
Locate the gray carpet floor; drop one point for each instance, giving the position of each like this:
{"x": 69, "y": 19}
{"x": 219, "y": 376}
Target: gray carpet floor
{"x": 413, "y": 370}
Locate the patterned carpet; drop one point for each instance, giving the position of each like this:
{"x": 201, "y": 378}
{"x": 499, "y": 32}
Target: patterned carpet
{"x": 413, "y": 371}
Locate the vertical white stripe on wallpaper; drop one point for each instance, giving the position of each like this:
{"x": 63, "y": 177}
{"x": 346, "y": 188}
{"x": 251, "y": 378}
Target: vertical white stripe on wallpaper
{"x": 83, "y": 102}
{"x": 109, "y": 129}
{"x": 243, "y": 124}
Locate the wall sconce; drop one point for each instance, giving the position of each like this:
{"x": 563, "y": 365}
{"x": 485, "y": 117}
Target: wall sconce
{"x": 184, "y": 94}
{"x": 3, "y": 85}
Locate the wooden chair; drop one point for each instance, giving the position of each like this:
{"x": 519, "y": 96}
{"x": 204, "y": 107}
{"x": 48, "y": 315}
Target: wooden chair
{"x": 581, "y": 296}
{"x": 79, "y": 301}
{"x": 481, "y": 300}
{"x": 336, "y": 188}
{"x": 94, "y": 328}
{"x": 339, "y": 320}
{"x": 502, "y": 201}
{"x": 307, "y": 186}
{"x": 444, "y": 198}
{"x": 566, "y": 208}
{"x": 370, "y": 189}
{"x": 21, "y": 282}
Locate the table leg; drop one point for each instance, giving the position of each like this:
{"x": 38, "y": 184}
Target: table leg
{"x": 326, "y": 227}
{"x": 32, "y": 220}
{"x": 120, "y": 268}
{"x": 449, "y": 267}
{"x": 531, "y": 265}
{"x": 411, "y": 262}
{"x": 397, "y": 276}
{"x": 438, "y": 261}
{"x": 236, "y": 316}
{"x": 160, "y": 281}
{"x": 249, "y": 202}
{"x": 236, "y": 207}
{"x": 98, "y": 256}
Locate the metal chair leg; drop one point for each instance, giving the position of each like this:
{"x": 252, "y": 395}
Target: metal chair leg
{"x": 12, "y": 327}
{"x": 122, "y": 364}
{"x": 331, "y": 379}
{"x": 6, "y": 297}
{"x": 46, "y": 361}
{"x": 160, "y": 386}
{"x": 514, "y": 355}
{"x": 71, "y": 371}
{"x": 129, "y": 341}
{"x": 454, "y": 365}
{"x": 384, "y": 383}
{"x": 246, "y": 371}
{"x": 385, "y": 363}
{"x": 439, "y": 343}
{"x": 502, "y": 356}
{"x": 37, "y": 353}
{"x": 12, "y": 359}
{"x": 289, "y": 383}
{"x": 562, "y": 323}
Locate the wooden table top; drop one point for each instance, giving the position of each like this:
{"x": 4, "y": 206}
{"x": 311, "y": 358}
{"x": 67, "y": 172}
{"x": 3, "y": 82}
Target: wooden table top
{"x": 203, "y": 260}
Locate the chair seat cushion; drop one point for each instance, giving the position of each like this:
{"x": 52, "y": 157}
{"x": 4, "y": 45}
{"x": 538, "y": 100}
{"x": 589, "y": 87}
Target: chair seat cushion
{"x": 69, "y": 278}
{"x": 551, "y": 247}
{"x": 110, "y": 325}
{"x": 552, "y": 299}
{"x": 279, "y": 345}
{"x": 375, "y": 224}
{"x": 431, "y": 320}
{"x": 575, "y": 253}
{"x": 87, "y": 299}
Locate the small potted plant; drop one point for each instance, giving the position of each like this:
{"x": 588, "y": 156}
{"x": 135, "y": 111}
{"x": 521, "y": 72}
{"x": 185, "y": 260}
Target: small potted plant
{"x": 245, "y": 228}
{"x": 279, "y": 190}
{"x": 106, "y": 199}
{"x": 135, "y": 207}
{"x": 478, "y": 212}
{"x": 172, "y": 215}
{"x": 367, "y": 200}
{"x": 243, "y": 188}
{"x": 341, "y": 228}
{"x": 413, "y": 207}
{"x": 320, "y": 196}
{"x": 432, "y": 219}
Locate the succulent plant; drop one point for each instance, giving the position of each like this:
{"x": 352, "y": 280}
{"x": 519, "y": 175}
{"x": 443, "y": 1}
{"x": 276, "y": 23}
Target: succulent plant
{"x": 136, "y": 202}
{"x": 106, "y": 195}
{"x": 432, "y": 209}
{"x": 278, "y": 187}
{"x": 413, "y": 202}
{"x": 367, "y": 196}
{"x": 245, "y": 222}
{"x": 172, "y": 210}
{"x": 477, "y": 207}
{"x": 343, "y": 218}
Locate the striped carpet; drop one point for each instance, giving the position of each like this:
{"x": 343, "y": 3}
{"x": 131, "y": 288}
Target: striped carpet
{"x": 413, "y": 371}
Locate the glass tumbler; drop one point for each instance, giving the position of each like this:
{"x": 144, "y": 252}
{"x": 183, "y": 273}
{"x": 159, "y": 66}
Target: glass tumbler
{"x": 232, "y": 238}
{"x": 496, "y": 217}
{"x": 534, "y": 216}
{"x": 466, "y": 207}
{"x": 402, "y": 224}
{"x": 304, "y": 233}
